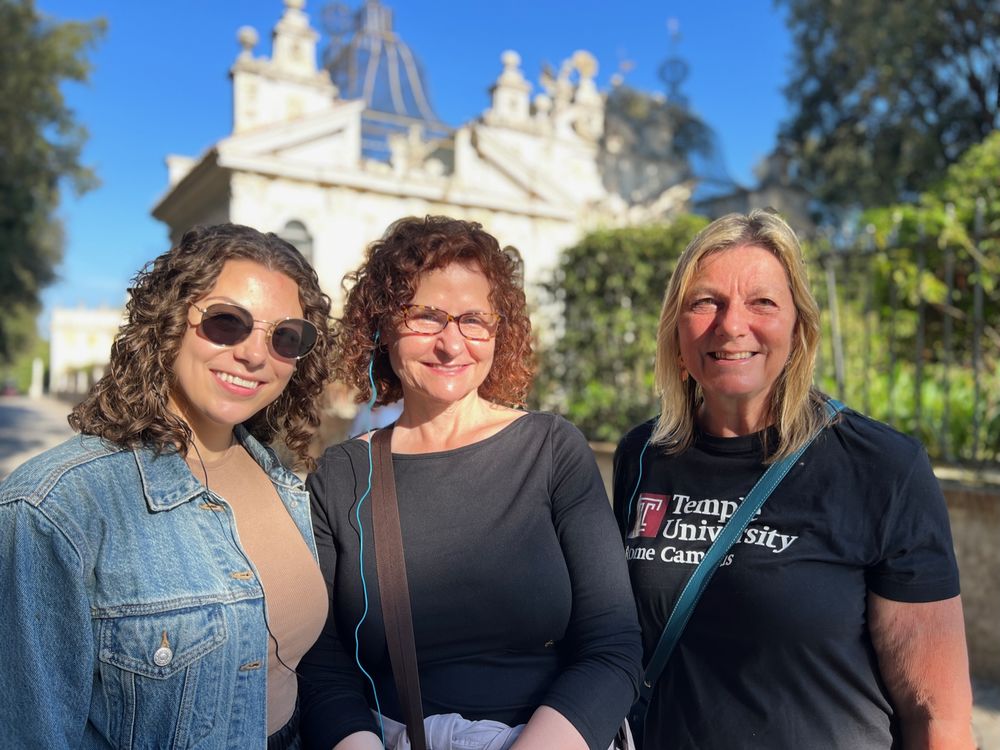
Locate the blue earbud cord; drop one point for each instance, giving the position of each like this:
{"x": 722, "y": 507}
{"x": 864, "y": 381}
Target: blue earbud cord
{"x": 361, "y": 549}
{"x": 628, "y": 510}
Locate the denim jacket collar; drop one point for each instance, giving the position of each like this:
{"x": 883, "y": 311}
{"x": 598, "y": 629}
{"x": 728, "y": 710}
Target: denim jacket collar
{"x": 167, "y": 482}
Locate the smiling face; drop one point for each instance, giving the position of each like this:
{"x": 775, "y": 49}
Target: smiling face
{"x": 217, "y": 387}
{"x": 735, "y": 332}
{"x": 444, "y": 368}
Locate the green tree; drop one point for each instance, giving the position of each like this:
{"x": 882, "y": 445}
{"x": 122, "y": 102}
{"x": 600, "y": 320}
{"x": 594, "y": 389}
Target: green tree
{"x": 920, "y": 309}
{"x": 955, "y": 224}
{"x": 598, "y": 370}
{"x": 40, "y": 144}
{"x": 885, "y": 96}
{"x": 651, "y": 144}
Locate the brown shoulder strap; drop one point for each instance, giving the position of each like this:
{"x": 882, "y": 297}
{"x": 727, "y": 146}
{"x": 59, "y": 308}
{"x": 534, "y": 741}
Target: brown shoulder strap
{"x": 393, "y": 590}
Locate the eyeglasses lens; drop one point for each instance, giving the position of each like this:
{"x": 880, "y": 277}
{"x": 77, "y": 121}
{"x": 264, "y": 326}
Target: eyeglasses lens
{"x": 472, "y": 325}
{"x": 476, "y": 327}
{"x": 425, "y": 320}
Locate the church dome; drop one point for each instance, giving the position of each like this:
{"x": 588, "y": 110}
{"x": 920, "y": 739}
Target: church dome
{"x": 367, "y": 60}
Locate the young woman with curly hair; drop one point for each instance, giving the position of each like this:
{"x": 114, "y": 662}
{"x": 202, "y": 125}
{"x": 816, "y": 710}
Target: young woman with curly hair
{"x": 159, "y": 581}
{"x": 526, "y": 635}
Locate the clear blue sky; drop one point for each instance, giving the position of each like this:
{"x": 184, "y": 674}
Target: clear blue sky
{"x": 160, "y": 85}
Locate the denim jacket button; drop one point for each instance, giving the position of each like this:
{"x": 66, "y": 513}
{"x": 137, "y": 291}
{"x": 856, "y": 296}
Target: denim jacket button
{"x": 162, "y": 656}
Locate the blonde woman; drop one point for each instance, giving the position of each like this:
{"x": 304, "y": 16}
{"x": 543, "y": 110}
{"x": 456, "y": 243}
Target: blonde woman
{"x": 835, "y": 620}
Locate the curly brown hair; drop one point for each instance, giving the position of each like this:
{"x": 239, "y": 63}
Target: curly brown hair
{"x": 129, "y": 405}
{"x": 388, "y": 279}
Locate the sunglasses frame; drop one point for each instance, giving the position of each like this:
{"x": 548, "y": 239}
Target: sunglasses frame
{"x": 243, "y": 314}
{"x": 456, "y": 318}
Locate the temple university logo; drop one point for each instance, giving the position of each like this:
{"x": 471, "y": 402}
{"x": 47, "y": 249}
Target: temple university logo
{"x": 649, "y": 515}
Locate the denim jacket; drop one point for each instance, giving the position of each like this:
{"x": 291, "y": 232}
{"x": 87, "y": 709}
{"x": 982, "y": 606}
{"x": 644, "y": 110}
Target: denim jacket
{"x": 130, "y": 616}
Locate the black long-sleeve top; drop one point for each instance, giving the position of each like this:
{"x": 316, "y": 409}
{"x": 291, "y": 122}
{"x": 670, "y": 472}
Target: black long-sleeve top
{"x": 517, "y": 581}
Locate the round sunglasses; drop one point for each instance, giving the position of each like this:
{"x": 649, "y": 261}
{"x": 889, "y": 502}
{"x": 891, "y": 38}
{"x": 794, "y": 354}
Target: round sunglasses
{"x": 228, "y": 325}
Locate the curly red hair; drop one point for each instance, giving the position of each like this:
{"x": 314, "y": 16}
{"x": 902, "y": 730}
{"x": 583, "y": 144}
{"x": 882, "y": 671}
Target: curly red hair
{"x": 388, "y": 279}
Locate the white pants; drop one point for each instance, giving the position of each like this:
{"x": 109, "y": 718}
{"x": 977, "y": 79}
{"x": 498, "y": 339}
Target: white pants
{"x": 452, "y": 732}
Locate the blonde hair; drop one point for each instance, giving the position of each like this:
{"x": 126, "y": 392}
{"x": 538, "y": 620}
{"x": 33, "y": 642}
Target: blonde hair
{"x": 796, "y": 407}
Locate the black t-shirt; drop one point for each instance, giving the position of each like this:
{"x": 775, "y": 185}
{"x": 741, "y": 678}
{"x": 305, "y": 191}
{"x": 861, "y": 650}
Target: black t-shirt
{"x": 519, "y": 593}
{"x": 777, "y": 653}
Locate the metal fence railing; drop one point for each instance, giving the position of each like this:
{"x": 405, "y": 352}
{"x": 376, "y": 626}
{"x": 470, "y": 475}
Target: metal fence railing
{"x": 911, "y": 337}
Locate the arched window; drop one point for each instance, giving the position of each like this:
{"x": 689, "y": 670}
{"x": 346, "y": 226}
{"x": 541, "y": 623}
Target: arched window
{"x": 514, "y": 254}
{"x": 296, "y": 233}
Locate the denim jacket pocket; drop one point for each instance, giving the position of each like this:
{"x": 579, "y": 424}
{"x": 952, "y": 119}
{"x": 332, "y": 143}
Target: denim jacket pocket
{"x": 159, "y": 677}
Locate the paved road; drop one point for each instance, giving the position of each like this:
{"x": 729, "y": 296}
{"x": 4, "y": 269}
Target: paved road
{"x": 29, "y": 426}
{"x": 986, "y": 714}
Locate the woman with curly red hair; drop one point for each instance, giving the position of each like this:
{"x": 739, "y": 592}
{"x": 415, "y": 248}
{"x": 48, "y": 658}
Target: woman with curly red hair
{"x": 525, "y": 631}
{"x": 158, "y": 580}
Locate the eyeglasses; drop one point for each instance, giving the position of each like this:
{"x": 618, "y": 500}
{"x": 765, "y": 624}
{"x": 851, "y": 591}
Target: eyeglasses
{"x": 477, "y": 326}
{"x": 228, "y": 325}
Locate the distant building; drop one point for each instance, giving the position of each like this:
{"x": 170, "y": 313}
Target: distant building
{"x": 330, "y": 165}
{"x": 775, "y": 189}
{"x": 80, "y": 346}
{"x": 328, "y": 157}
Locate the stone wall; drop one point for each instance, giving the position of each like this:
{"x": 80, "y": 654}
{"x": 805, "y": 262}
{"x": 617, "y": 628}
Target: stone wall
{"x": 975, "y": 525}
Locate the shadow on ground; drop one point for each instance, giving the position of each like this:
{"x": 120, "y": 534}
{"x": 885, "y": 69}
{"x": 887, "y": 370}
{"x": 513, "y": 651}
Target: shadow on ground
{"x": 28, "y": 427}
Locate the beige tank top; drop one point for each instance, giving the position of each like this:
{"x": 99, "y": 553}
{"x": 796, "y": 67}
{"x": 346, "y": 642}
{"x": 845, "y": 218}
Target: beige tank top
{"x": 295, "y": 595}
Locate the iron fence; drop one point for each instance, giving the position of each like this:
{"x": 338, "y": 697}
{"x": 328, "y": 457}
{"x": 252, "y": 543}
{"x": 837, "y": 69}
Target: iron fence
{"x": 910, "y": 337}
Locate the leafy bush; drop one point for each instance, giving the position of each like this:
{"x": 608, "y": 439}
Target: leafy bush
{"x": 598, "y": 368}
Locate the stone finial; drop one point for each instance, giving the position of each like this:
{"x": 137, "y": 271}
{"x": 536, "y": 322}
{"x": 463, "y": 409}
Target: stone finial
{"x": 409, "y": 152}
{"x": 542, "y": 104}
{"x": 511, "y": 69}
{"x": 563, "y": 87}
{"x": 288, "y": 85}
{"x": 509, "y": 93}
{"x": 247, "y": 37}
{"x": 585, "y": 63}
{"x": 293, "y": 49}
{"x": 586, "y": 90}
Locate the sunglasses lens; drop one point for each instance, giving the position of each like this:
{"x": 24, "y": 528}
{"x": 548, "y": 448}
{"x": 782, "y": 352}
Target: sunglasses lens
{"x": 228, "y": 325}
{"x": 224, "y": 325}
{"x": 293, "y": 338}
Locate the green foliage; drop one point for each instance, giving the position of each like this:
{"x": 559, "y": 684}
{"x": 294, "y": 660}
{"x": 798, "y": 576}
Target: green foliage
{"x": 939, "y": 408}
{"x": 955, "y": 224}
{"x": 18, "y": 372}
{"x": 650, "y": 145}
{"x": 886, "y": 95}
{"x": 598, "y": 371}
{"x": 922, "y": 378}
{"x": 40, "y": 145}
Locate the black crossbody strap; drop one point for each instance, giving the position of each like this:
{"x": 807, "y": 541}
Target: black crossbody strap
{"x": 734, "y": 527}
{"x": 394, "y": 592}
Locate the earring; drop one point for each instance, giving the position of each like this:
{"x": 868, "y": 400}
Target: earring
{"x": 683, "y": 369}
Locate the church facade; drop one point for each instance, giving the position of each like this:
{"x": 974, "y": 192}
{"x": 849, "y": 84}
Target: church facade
{"x": 329, "y": 167}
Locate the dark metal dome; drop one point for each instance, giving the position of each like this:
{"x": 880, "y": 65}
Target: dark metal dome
{"x": 368, "y": 60}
